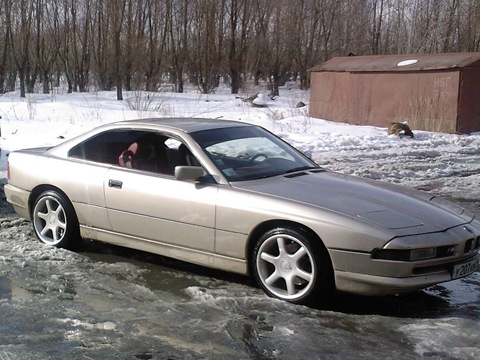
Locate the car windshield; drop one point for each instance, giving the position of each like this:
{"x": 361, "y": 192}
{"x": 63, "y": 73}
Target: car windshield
{"x": 250, "y": 152}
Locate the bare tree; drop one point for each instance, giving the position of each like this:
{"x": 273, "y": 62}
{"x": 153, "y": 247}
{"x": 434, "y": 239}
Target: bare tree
{"x": 76, "y": 46}
{"x": 276, "y": 48}
{"x": 450, "y": 24}
{"x": 4, "y": 47}
{"x": 239, "y": 19}
{"x": 134, "y": 30}
{"x": 178, "y": 22}
{"x": 378, "y": 13}
{"x": 48, "y": 39}
{"x": 19, "y": 22}
{"x": 155, "y": 43}
{"x": 469, "y": 23}
{"x": 116, "y": 10}
{"x": 328, "y": 17}
{"x": 207, "y": 36}
{"x": 139, "y": 44}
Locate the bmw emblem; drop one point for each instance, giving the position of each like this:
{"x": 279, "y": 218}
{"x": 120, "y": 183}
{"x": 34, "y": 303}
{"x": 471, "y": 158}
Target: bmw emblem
{"x": 468, "y": 229}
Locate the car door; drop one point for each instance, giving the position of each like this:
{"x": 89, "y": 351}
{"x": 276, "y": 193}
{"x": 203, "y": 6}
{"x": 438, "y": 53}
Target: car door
{"x": 159, "y": 208}
{"x": 83, "y": 184}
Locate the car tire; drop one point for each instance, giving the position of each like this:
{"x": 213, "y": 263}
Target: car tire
{"x": 54, "y": 220}
{"x": 289, "y": 266}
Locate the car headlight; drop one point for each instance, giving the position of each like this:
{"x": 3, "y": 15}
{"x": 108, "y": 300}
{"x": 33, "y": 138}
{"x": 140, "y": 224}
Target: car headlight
{"x": 423, "y": 254}
{"x": 405, "y": 255}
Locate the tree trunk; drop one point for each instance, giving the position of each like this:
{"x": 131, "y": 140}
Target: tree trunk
{"x": 22, "y": 83}
{"x": 46, "y": 83}
{"x": 235, "y": 81}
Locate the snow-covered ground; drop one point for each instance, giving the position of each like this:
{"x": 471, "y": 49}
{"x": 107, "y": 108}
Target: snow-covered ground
{"x": 112, "y": 303}
{"x": 446, "y": 164}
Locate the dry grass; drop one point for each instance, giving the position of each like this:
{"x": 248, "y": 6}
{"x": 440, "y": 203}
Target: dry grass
{"x": 426, "y": 113}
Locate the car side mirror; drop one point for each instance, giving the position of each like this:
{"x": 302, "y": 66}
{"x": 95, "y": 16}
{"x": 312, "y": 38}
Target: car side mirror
{"x": 189, "y": 173}
{"x": 308, "y": 154}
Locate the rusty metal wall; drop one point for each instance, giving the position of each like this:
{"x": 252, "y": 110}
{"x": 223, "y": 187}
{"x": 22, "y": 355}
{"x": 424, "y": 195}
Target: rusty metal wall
{"x": 426, "y": 100}
{"x": 469, "y": 101}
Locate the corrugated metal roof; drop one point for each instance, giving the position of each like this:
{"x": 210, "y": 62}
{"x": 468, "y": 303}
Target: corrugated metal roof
{"x": 404, "y": 62}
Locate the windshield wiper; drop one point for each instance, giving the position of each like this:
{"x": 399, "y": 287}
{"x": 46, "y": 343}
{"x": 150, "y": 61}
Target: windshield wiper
{"x": 302, "y": 168}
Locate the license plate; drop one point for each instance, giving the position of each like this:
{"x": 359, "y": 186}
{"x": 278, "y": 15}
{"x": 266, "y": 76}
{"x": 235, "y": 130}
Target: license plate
{"x": 461, "y": 270}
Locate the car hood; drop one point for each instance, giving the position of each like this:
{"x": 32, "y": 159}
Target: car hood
{"x": 401, "y": 210}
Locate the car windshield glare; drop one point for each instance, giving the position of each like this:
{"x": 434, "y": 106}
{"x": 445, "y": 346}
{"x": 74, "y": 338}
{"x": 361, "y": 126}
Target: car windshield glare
{"x": 248, "y": 153}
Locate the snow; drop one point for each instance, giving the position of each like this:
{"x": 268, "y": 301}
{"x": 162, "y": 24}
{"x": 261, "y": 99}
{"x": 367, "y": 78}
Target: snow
{"x": 445, "y": 164}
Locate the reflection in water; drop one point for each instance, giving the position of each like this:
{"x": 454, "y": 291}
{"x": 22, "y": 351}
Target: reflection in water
{"x": 172, "y": 278}
{"x": 3, "y": 160}
{"x": 13, "y": 290}
{"x": 5, "y": 288}
{"x": 111, "y": 302}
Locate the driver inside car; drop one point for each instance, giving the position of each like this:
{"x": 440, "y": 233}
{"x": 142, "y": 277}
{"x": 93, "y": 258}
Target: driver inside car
{"x": 146, "y": 153}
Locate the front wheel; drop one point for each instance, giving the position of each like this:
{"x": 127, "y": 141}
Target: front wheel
{"x": 54, "y": 220}
{"x": 288, "y": 266}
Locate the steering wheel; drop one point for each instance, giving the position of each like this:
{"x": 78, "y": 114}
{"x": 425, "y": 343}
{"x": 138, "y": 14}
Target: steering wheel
{"x": 255, "y": 157}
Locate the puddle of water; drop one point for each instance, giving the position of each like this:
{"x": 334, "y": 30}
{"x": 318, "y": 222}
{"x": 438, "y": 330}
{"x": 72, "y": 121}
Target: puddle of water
{"x": 3, "y": 167}
{"x": 3, "y": 160}
{"x": 10, "y": 290}
{"x": 5, "y": 288}
{"x": 171, "y": 282}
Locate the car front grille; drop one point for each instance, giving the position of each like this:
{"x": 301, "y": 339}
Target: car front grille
{"x": 471, "y": 245}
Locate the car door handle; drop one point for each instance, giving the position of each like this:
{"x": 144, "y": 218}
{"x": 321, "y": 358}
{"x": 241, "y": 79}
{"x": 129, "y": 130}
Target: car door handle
{"x": 115, "y": 184}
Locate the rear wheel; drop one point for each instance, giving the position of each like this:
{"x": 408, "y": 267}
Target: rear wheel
{"x": 55, "y": 221}
{"x": 288, "y": 266}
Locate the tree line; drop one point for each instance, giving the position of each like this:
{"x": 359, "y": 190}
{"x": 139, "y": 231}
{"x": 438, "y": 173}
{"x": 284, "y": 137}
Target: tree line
{"x": 143, "y": 44}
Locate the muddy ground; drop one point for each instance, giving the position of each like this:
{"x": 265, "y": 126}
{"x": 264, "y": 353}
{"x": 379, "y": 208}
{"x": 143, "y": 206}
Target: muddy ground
{"x": 105, "y": 302}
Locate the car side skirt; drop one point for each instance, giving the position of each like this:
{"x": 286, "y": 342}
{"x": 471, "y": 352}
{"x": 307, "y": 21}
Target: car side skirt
{"x": 198, "y": 257}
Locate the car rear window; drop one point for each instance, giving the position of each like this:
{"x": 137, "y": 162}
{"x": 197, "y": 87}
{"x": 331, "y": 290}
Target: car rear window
{"x": 105, "y": 147}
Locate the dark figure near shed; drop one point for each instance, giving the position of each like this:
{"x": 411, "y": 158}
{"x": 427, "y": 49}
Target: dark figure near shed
{"x": 400, "y": 129}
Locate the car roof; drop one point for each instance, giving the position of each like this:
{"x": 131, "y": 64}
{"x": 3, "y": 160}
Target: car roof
{"x": 178, "y": 125}
{"x": 188, "y": 125}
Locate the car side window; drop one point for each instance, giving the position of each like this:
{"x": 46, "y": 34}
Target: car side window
{"x": 179, "y": 154}
{"x": 141, "y": 150}
{"x": 158, "y": 153}
{"x": 147, "y": 152}
{"x": 105, "y": 147}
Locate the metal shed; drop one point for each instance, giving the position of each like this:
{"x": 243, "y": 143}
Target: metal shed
{"x": 435, "y": 92}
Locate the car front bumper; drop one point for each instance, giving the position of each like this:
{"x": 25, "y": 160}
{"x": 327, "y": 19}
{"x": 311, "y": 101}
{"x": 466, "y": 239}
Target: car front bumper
{"x": 372, "y": 285}
{"x": 360, "y": 274}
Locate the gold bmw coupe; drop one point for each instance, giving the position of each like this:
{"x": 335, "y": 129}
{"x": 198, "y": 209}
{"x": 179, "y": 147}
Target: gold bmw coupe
{"x": 235, "y": 197}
